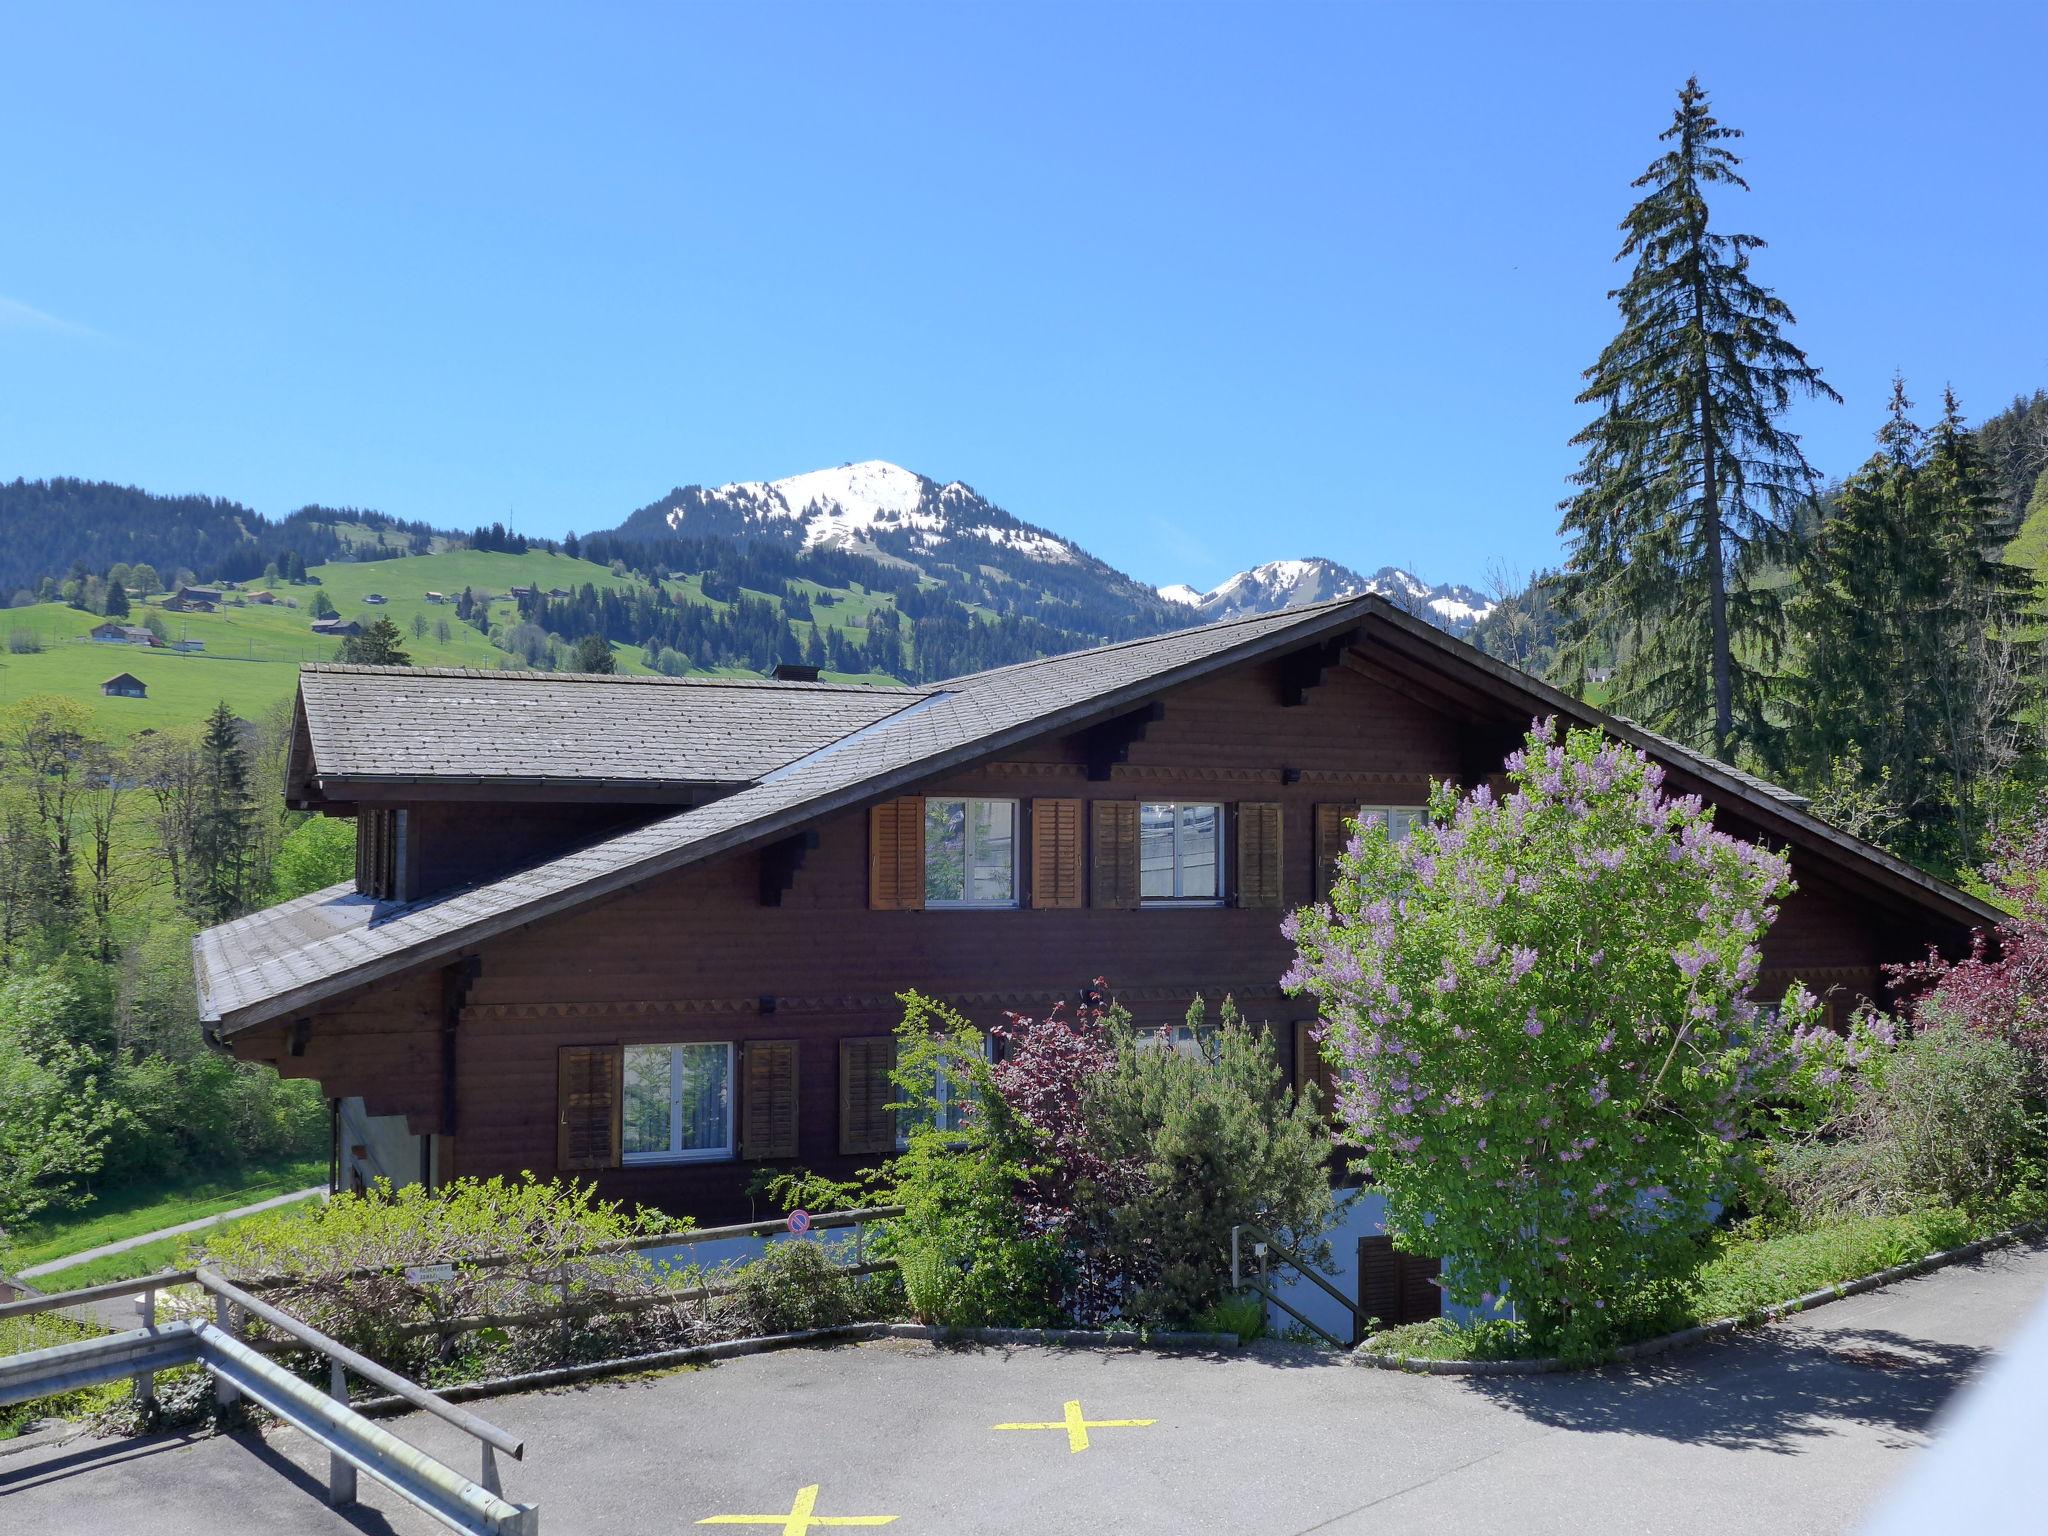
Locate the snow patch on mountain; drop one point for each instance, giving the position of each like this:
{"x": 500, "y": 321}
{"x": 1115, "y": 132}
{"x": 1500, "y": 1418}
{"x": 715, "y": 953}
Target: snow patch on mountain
{"x": 1282, "y": 584}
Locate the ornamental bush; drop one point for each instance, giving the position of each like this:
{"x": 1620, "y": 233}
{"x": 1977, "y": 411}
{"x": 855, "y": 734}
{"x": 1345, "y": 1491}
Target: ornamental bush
{"x": 1538, "y": 1006}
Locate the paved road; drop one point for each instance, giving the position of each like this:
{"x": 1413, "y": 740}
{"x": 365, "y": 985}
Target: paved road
{"x": 179, "y": 1230}
{"x": 1791, "y": 1429}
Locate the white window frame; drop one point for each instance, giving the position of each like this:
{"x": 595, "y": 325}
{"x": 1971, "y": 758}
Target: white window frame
{"x": 944, "y": 1095}
{"x": 1178, "y": 900}
{"x": 1417, "y": 815}
{"x": 674, "y": 1154}
{"x": 967, "y": 902}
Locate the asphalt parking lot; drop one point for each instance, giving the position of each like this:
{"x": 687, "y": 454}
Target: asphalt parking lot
{"x": 1795, "y": 1428}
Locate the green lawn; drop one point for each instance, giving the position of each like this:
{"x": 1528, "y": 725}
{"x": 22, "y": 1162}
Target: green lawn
{"x": 253, "y": 650}
{"x": 129, "y": 1212}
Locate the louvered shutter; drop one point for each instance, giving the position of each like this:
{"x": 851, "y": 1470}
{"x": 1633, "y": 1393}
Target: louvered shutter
{"x": 1331, "y": 840}
{"x": 768, "y": 1099}
{"x": 589, "y": 1102}
{"x": 1113, "y": 854}
{"x": 1311, "y": 1068}
{"x": 1421, "y": 1298}
{"x": 896, "y": 855}
{"x": 1055, "y": 853}
{"x": 866, "y": 1124}
{"x": 1260, "y": 855}
{"x": 1379, "y": 1285}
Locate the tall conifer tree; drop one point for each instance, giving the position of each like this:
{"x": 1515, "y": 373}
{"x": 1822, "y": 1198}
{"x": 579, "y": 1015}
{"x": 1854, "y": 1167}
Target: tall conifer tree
{"x": 1688, "y": 485}
{"x": 222, "y": 824}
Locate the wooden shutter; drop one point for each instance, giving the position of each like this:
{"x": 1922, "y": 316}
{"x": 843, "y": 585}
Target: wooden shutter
{"x": 1056, "y": 853}
{"x": 1396, "y": 1288}
{"x": 589, "y": 1101}
{"x": 1311, "y": 1068}
{"x": 768, "y": 1099}
{"x": 866, "y": 1124}
{"x": 1260, "y": 855}
{"x": 1113, "y": 854}
{"x": 896, "y": 855}
{"x": 1331, "y": 841}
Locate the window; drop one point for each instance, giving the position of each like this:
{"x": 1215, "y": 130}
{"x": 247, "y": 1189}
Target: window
{"x": 1399, "y": 820}
{"x": 953, "y": 1101}
{"x": 1179, "y": 852}
{"x": 678, "y": 1103}
{"x": 970, "y": 853}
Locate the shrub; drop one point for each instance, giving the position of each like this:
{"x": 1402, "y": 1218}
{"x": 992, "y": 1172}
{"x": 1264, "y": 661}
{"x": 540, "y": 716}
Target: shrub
{"x": 1216, "y": 1141}
{"x": 1948, "y": 1119}
{"x": 961, "y": 1245}
{"x": 1539, "y": 1006}
{"x": 1240, "y": 1312}
{"x": 553, "y": 1233}
{"x": 795, "y": 1286}
{"x": 24, "y": 642}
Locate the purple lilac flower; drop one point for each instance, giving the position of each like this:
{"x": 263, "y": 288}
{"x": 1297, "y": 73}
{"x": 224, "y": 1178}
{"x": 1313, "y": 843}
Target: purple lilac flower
{"x": 1521, "y": 962}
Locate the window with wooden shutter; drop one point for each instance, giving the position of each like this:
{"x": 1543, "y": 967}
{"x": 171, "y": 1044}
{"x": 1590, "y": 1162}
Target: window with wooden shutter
{"x": 1311, "y": 1068}
{"x": 1261, "y": 856}
{"x": 1113, "y": 854}
{"x": 1056, "y": 853}
{"x": 768, "y": 1099}
{"x": 896, "y": 855}
{"x": 588, "y": 1104}
{"x": 1333, "y": 836}
{"x": 866, "y": 1124}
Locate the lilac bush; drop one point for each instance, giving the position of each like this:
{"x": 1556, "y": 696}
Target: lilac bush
{"x": 1539, "y": 1009}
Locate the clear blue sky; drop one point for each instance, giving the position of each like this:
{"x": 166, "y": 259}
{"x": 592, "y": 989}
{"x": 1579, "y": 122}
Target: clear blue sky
{"x": 1197, "y": 287}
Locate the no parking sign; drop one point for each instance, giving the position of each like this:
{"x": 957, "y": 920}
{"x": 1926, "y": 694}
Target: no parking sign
{"x": 799, "y": 1223}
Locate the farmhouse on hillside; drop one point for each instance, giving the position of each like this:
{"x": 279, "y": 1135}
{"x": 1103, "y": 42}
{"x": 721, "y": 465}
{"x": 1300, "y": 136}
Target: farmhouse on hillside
{"x": 124, "y": 685}
{"x": 115, "y": 633}
{"x": 651, "y": 931}
{"x": 335, "y": 627}
{"x": 193, "y": 600}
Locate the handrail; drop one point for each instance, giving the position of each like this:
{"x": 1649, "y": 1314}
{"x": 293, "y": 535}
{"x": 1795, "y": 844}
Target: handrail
{"x": 368, "y": 1369}
{"x": 1307, "y": 1270}
{"x": 111, "y": 1291}
{"x": 1301, "y": 1267}
{"x": 1313, "y": 1327}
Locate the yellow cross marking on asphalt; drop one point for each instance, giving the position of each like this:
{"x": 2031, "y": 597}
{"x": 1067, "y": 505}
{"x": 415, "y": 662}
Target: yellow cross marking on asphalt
{"x": 799, "y": 1520}
{"x": 1077, "y": 1427}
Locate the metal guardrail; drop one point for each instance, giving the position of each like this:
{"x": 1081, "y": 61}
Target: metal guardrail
{"x": 1265, "y": 1243}
{"x": 353, "y": 1443}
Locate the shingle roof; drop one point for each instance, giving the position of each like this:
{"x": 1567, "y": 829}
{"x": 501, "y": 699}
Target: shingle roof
{"x": 455, "y": 724}
{"x": 272, "y": 963}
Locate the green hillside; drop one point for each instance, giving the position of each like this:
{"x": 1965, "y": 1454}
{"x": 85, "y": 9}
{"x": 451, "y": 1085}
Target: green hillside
{"x": 253, "y": 650}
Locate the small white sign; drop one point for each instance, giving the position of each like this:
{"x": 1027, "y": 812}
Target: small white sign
{"x": 427, "y": 1274}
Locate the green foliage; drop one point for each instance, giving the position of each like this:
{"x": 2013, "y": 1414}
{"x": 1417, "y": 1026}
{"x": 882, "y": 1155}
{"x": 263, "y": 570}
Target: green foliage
{"x": 1942, "y": 1121}
{"x": 1218, "y": 1141}
{"x": 54, "y": 1121}
{"x": 323, "y": 606}
{"x": 796, "y": 1286}
{"x": 1688, "y": 486}
{"x": 223, "y": 822}
{"x": 1541, "y": 1003}
{"x": 379, "y": 645}
{"x": 593, "y": 653}
{"x": 960, "y": 1245}
{"x": 1240, "y": 1312}
{"x": 554, "y": 1234}
{"x": 320, "y": 851}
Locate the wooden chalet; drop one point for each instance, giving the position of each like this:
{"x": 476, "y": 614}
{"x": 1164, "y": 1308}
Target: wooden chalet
{"x": 193, "y": 600}
{"x": 124, "y": 685}
{"x": 651, "y": 931}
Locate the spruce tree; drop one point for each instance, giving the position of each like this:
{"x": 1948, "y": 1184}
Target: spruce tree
{"x": 1689, "y": 485}
{"x": 593, "y": 653}
{"x": 222, "y": 824}
{"x": 117, "y": 601}
{"x": 381, "y": 645}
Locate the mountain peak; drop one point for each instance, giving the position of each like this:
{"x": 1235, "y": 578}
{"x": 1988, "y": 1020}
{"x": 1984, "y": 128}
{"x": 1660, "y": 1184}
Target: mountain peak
{"x": 1282, "y": 584}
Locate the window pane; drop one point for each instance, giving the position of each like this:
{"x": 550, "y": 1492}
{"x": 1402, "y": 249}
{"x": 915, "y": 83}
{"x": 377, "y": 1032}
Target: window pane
{"x": 945, "y": 850}
{"x": 705, "y": 1087}
{"x": 1155, "y": 851}
{"x": 1402, "y": 820}
{"x": 1198, "y": 839}
{"x": 995, "y": 850}
{"x": 644, "y": 1121}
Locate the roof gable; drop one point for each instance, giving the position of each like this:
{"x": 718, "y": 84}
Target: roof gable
{"x": 272, "y": 963}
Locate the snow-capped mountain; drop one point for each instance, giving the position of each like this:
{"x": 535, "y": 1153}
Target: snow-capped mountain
{"x": 1289, "y": 583}
{"x": 988, "y": 558}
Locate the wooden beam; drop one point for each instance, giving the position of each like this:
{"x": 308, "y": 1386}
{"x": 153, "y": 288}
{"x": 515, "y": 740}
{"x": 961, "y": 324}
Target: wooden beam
{"x": 780, "y": 862}
{"x": 1110, "y": 742}
{"x": 1426, "y": 686}
{"x": 1305, "y": 669}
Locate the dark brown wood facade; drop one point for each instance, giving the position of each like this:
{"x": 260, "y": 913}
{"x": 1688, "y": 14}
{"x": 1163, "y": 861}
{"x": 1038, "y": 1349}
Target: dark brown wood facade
{"x": 797, "y": 945}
